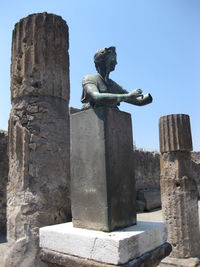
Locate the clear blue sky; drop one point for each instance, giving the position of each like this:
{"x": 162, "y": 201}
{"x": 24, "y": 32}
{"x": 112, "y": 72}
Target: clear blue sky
{"x": 158, "y": 48}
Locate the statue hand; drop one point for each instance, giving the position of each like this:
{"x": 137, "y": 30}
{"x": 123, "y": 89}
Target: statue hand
{"x": 135, "y": 93}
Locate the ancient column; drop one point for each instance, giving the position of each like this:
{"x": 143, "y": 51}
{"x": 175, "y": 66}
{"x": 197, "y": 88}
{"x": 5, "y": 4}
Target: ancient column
{"x": 178, "y": 188}
{"x": 38, "y": 188}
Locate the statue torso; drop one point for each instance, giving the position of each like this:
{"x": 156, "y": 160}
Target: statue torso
{"x": 100, "y": 85}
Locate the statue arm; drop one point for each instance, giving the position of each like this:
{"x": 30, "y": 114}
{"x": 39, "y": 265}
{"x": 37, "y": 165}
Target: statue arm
{"x": 93, "y": 94}
{"x": 135, "y": 97}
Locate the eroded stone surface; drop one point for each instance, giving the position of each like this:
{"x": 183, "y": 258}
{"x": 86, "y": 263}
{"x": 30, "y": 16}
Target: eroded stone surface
{"x": 195, "y": 165}
{"x": 3, "y": 180}
{"x": 178, "y": 187}
{"x": 38, "y": 187}
{"x": 180, "y": 204}
{"x": 40, "y": 62}
{"x": 147, "y": 169}
{"x": 175, "y": 133}
{"x": 147, "y": 178}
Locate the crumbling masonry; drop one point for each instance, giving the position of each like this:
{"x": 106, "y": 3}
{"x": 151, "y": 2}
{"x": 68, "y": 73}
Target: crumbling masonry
{"x": 3, "y": 180}
{"x": 178, "y": 187}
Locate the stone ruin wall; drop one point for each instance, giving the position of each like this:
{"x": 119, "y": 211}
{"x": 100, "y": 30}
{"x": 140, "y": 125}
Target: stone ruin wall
{"x": 147, "y": 178}
{"x": 3, "y": 179}
{"x": 147, "y": 169}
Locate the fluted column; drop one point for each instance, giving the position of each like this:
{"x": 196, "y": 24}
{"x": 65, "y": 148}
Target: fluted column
{"x": 175, "y": 133}
{"x": 38, "y": 188}
{"x": 40, "y": 61}
{"x": 178, "y": 188}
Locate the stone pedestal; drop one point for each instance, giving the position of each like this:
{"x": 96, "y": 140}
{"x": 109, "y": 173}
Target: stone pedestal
{"x": 64, "y": 245}
{"x": 178, "y": 188}
{"x": 38, "y": 186}
{"x": 102, "y": 171}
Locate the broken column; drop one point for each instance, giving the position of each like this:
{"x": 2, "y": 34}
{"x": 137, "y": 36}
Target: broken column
{"x": 38, "y": 188}
{"x": 178, "y": 188}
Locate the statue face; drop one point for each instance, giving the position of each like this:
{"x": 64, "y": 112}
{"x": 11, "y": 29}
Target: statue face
{"x": 111, "y": 61}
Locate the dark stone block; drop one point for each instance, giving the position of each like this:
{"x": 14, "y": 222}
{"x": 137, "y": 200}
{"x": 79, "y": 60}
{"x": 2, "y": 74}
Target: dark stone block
{"x": 102, "y": 171}
{"x": 149, "y": 259}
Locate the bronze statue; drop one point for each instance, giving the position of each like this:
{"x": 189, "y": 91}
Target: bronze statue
{"x": 100, "y": 90}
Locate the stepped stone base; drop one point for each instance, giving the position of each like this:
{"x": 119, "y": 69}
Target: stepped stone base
{"x": 68, "y": 244}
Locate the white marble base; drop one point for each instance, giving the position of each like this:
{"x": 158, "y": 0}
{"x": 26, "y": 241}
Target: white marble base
{"x": 116, "y": 247}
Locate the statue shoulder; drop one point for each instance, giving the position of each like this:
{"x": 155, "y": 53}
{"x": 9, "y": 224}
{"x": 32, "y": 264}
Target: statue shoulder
{"x": 90, "y": 78}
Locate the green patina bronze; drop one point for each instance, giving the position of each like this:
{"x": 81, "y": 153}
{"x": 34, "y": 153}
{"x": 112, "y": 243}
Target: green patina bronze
{"x": 100, "y": 90}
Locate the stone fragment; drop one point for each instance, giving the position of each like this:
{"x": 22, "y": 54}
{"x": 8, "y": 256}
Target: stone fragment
{"x": 38, "y": 188}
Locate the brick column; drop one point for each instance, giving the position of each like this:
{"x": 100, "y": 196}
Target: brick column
{"x": 178, "y": 188}
{"x": 38, "y": 188}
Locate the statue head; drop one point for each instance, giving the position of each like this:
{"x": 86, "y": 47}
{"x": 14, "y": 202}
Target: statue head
{"x": 105, "y": 59}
